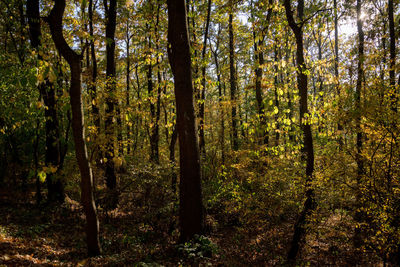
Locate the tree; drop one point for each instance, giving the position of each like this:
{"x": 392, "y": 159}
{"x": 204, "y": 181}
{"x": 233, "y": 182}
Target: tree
{"x": 93, "y": 70}
{"x": 259, "y": 58}
{"x": 392, "y": 71}
{"x": 190, "y": 193}
{"x": 48, "y": 92}
{"x": 74, "y": 60}
{"x": 308, "y": 149}
{"x": 203, "y": 81}
{"x": 233, "y": 78}
{"x": 111, "y": 16}
{"x": 359, "y": 133}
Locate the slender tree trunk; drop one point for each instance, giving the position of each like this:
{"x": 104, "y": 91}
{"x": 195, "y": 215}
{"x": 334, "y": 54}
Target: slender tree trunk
{"x": 383, "y": 66}
{"x": 276, "y": 84}
{"x": 128, "y": 79}
{"x": 258, "y": 40}
{"x": 336, "y": 67}
{"x": 233, "y": 79}
{"x": 203, "y": 82}
{"x": 174, "y": 138}
{"x": 156, "y": 110}
{"x": 47, "y": 91}
{"x": 392, "y": 73}
{"x": 359, "y": 135}
{"x": 73, "y": 59}
{"x": 154, "y": 128}
{"x": 92, "y": 85}
{"x": 308, "y": 149}
{"x": 191, "y": 218}
{"x": 110, "y": 7}
{"x": 220, "y": 96}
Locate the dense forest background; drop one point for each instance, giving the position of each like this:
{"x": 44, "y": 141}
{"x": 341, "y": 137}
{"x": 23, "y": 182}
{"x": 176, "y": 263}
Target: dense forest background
{"x": 210, "y": 132}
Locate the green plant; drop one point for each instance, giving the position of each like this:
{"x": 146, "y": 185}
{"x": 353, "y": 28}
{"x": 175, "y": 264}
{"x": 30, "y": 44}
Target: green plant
{"x": 199, "y": 247}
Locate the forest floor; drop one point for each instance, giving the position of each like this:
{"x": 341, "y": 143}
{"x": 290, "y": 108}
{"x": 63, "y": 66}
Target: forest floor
{"x": 143, "y": 233}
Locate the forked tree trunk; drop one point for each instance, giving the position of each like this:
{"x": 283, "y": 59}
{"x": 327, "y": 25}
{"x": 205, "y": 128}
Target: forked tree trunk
{"x": 74, "y": 61}
{"x": 191, "y": 218}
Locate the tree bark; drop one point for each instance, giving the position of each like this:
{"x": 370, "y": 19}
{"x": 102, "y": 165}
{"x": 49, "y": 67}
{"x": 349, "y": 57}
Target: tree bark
{"x": 259, "y": 58}
{"x": 276, "y": 84}
{"x": 73, "y": 59}
{"x": 174, "y": 138}
{"x": 308, "y": 149}
{"x": 110, "y": 7}
{"x": 233, "y": 79}
{"x": 392, "y": 73}
{"x": 203, "y": 82}
{"x": 336, "y": 67}
{"x": 93, "y": 71}
{"x": 47, "y": 91}
{"x": 191, "y": 218}
{"x": 359, "y": 135}
{"x": 128, "y": 89}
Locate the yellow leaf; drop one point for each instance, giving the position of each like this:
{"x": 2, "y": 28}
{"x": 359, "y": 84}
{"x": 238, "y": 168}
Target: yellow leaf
{"x": 52, "y": 76}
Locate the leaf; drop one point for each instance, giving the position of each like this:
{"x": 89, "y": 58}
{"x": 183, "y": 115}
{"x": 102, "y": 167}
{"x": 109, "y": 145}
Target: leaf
{"x": 42, "y": 176}
{"x": 52, "y": 76}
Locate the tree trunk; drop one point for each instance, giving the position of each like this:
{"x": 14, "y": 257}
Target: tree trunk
{"x": 110, "y": 7}
{"x": 359, "y": 135}
{"x": 308, "y": 149}
{"x": 276, "y": 84}
{"x": 336, "y": 67}
{"x": 47, "y": 91}
{"x": 233, "y": 79}
{"x": 220, "y": 96}
{"x": 73, "y": 59}
{"x": 128, "y": 79}
{"x": 174, "y": 138}
{"x": 191, "y": 218}
{"x": 154, "y": 129}
{"x": 203, "y": 82}
{"x": 392, "y": 73}
{"x": 93, "y": 71}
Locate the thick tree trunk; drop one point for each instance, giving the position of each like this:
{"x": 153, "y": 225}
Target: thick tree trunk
{"x": 308, "y": 149}
{"x": 47, "y": 91}
{"x": 111, "y": 179}
{"x": 191, "y": 218}
{"x": 73, "y": 59}
{"x": 233, "y": 79}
